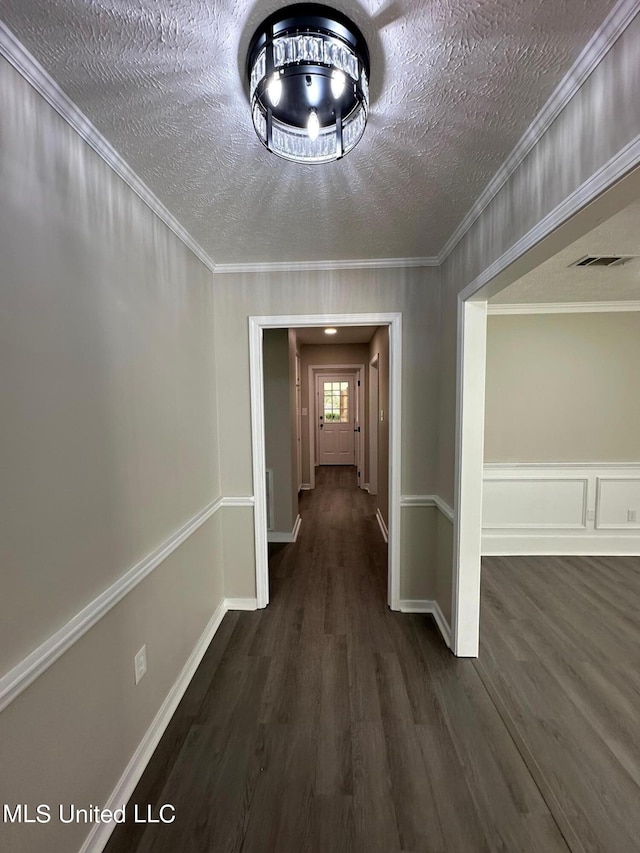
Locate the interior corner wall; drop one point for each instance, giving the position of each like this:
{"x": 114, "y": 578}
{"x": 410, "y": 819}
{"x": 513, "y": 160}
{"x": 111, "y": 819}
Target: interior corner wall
{"x": 561, "y": 388}
{"x": 412, "y": 291}
{"x": 109, "y": 446}
{"x": 598, "y": 122}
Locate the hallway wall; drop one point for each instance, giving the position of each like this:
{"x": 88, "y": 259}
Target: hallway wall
{"x": 414, "y": 292}
{"x": 109, "y": 446}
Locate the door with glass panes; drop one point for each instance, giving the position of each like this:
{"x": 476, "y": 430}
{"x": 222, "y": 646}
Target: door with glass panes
{"x": 336, "y": 419}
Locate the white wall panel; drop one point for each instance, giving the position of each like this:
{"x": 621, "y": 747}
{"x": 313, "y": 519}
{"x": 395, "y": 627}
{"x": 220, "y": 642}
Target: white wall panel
{"x": 534, "y": 503}
{"x": 616, "y": 497}
{"x": 560, "y": 509}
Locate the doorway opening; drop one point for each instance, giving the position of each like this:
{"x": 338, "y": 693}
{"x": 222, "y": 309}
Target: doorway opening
{"x": 342, "y": 403}
{"x": 471, "y": 379}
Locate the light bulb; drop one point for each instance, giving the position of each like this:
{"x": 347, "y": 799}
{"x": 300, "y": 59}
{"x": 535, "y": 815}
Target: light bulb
{"x": 338, "y": 83}
{"x": 313, "y": 125}
{"x": 274, "y": 89}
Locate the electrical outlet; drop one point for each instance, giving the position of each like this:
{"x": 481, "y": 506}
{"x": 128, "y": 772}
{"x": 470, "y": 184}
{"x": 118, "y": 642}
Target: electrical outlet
{"x": 381, "y": 415}
{"x": 591, "y": 515}
{"x": 140, "y": 663}
{"x": 304, "y": 412}
{"x": 632, "y": 515}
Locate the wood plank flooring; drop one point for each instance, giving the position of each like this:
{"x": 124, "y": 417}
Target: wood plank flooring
{"x": 560, "y": 655}
{"x": 328, "y": 724}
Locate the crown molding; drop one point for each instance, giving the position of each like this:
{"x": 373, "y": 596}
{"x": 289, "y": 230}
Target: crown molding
{"x": 29, "y": 67}
{"x": 315, "y": 266}
{"x": 591, "y": 55}
{"x": 563, "y": 308}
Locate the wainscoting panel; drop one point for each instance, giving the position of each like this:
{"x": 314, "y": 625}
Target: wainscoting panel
{"x": 617, "y": 503}
{"x": 561, "y": 508}
{"x": 534, "y": 503}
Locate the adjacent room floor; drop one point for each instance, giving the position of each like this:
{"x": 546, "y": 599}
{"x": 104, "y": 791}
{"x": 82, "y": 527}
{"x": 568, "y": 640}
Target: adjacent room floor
{"x": 326, "y": 723}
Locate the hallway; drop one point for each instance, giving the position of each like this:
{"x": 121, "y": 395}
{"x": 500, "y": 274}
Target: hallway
{"x": 326, "y": 723}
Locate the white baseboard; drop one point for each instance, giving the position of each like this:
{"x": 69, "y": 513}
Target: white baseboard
{"x": 383, "y": 527}
{"x": 510, "y": 545}
{"x": 432, "y": 607}
{"x": 285, "y": 536}
{"x": 241, "y": 603}
{"x": 101, "y": 832}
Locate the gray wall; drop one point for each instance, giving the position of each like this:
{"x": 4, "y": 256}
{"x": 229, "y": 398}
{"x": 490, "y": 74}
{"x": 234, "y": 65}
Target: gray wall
{"x": 108, "y": 447}
{"x": 278, "y": 383}
{"x": 414, "y": 292}
{"x": 563, "y": 388}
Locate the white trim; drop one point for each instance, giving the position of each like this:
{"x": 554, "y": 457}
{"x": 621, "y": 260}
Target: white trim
{"x": 241, "y": 603}
{"x": 432, "y": 607}
{"x": 26, "y": 65}
{"x": 258, "y": 453}
{"x": 310, "y": 266}
{"x": 428, "y": 500}
{"x": 563, "y": 308}
{"x": 101, "y": 832}
{"x": 607, "y": 175}
{"x": 306, "y": 487}
{"x": 552, "y": 544}
{"x": 467, "y": 546}
{"x": 505, "y": 467}
{"x": 32, "y": 666}
{"x": 381, "y": 524}
{"x": 284, "y": 536}
{"x": 256, "y": 326}
{"x": 247, "y": 500}
{"x": 591, "y": 55}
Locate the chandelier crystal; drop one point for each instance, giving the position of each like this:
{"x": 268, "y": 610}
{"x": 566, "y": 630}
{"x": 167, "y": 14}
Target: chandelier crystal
{"x": 308, "y": 70}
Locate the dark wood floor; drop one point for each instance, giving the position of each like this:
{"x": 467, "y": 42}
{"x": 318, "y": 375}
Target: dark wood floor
{"x": 327, "y": 723}
{"x": 560, "y": 655}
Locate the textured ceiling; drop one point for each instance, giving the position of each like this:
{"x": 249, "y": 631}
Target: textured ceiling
{"x": 454, "y": 85}
{"x": 557, "y": 281}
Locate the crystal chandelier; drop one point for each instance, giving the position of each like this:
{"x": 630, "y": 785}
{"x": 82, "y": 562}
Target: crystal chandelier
{"x": 308, "y": 69}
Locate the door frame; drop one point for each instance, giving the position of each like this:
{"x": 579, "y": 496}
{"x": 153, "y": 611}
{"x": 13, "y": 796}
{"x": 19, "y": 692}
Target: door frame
{"x": 599, "y": 198}
{"x": 373, "y": 417}
{"x": 257, "y": 325}
{"x": 355, "y": 370}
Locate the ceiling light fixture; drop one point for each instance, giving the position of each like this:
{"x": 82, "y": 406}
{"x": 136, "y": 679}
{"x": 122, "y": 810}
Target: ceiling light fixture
{"x": 308, "y": 69}
{"x": 331, "y": 331}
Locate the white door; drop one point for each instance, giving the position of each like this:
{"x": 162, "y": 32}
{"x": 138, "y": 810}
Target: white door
{"x": 336, "y": 420}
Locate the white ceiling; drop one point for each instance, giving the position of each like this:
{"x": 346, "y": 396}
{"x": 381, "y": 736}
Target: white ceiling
{"x": 557, "y": 281}
{"x": 344, "y": 335}
{"x": 454, "y": 85}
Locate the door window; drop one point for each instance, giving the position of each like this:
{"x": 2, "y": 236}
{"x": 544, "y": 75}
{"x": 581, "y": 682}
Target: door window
{"x": 336, "y": 402}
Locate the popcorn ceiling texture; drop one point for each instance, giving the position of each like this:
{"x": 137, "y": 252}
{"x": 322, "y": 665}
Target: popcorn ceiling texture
{"x": 455, "y": 83}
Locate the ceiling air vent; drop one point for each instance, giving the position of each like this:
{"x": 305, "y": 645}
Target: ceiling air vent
{"x": 602, "y": 261}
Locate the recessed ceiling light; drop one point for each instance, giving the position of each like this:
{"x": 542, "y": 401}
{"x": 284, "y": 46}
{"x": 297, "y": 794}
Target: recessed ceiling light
{"x": 308, "y": 70}
{"x": 331, "y": 331}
